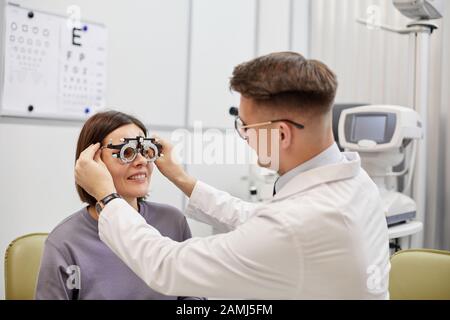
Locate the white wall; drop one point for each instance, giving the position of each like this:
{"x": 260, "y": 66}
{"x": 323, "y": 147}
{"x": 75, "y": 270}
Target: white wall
{"x": 169, "y": 62}
{"x": 372, "y": 65}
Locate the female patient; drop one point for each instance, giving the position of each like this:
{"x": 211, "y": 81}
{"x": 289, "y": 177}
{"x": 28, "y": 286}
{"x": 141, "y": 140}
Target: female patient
{"x": 76, "y": 264}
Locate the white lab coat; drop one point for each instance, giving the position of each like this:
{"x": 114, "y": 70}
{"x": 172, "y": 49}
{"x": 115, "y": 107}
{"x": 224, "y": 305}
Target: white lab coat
{"x": 324, "y": 236}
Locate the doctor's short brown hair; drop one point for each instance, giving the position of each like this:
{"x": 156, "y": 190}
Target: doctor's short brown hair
{"x": 287, "y": 80}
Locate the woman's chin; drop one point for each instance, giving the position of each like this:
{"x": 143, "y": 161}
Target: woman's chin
{"x": 136, "y": 190}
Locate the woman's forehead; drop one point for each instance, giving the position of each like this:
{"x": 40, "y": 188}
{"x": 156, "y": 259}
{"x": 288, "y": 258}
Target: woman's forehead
{"x": 127, "y": 131}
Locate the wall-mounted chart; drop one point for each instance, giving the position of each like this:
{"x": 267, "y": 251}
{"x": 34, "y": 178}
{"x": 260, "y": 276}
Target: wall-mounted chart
{"x": 51, "y": 68}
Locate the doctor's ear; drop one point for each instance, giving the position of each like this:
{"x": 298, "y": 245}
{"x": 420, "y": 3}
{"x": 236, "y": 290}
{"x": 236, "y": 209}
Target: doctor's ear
{"x": 285, "y": 135}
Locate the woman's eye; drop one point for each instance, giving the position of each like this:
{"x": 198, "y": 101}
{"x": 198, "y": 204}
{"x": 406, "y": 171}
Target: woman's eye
{"x": 148, "y": 153}
{"x": 129, "y": 153}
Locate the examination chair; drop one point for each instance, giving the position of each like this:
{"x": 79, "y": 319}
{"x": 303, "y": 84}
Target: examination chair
{"x": 22, "y": 262}
{"x": 420, "y": 275}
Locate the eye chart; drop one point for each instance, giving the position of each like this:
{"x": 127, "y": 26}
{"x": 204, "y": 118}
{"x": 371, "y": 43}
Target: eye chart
{"x": 52, "y": 68}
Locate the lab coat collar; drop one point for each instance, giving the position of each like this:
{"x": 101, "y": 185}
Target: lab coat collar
{"x": 347, "y": 169}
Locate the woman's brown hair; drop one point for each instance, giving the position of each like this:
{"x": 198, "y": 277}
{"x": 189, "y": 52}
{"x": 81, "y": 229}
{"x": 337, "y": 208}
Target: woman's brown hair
{"x": 96, "y": 129}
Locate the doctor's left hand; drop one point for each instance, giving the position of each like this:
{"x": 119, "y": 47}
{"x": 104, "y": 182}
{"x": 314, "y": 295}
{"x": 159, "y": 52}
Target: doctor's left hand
{"x": 92, "y": 175}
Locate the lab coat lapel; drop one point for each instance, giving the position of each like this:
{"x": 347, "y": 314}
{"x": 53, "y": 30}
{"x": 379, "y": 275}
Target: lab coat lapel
{"x": 309, "y": 179}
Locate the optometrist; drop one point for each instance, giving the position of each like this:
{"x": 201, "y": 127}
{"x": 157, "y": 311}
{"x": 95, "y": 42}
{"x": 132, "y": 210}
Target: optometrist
{"x": 324, "y": 234}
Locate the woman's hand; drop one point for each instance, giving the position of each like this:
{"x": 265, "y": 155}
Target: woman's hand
{"x": 92, "y": 175}
{"x": 172, "y": 169}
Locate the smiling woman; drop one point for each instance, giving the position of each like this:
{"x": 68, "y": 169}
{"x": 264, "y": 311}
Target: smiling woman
{"x": 76, "y": 264}
{"x": 112, "y": 126}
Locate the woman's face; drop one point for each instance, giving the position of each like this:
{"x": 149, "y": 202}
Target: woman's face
{"x": 132, "y": 179}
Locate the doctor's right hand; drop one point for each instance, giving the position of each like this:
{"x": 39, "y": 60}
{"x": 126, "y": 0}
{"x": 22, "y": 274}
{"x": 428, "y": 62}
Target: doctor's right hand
{"x": 172, "y": 169}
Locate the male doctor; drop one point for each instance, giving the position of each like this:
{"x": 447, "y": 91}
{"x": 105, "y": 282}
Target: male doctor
{"x": 324, "y": 234}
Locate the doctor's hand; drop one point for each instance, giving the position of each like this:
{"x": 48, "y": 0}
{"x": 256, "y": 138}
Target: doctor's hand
{"x": 92, "y": 174}
{"x": 172, "y": 169}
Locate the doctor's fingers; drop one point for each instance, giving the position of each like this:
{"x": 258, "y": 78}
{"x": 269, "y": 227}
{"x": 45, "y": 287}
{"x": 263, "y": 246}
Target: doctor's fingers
{"x": 166, "y": 144}
{"x": 89, "y": 152}
{"x": 86, "y": 157}
{"x": 98, "y": 157}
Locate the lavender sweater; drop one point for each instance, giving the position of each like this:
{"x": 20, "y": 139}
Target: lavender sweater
{"x": 74, "y": 248}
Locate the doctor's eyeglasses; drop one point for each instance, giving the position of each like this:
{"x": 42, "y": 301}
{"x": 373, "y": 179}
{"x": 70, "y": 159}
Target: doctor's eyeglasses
{"x": 149, "y": 148}
{"x": 242, "y": 128}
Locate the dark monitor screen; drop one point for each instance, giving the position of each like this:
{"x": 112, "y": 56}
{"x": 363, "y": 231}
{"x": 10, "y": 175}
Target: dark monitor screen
{"x": 369, "y": 127}
{"x": 337, "y": 110}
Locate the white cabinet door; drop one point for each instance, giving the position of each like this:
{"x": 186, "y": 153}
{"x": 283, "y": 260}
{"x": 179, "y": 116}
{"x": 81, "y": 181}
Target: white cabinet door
{"x": 223, "y": 35}
{"x": 274, "y": 32}
{"x": 148, "y": 59}
{"x": 301, "y": 26}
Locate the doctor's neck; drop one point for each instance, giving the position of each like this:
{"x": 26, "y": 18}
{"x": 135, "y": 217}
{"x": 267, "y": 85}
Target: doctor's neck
{"x": 310, "y": 143}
